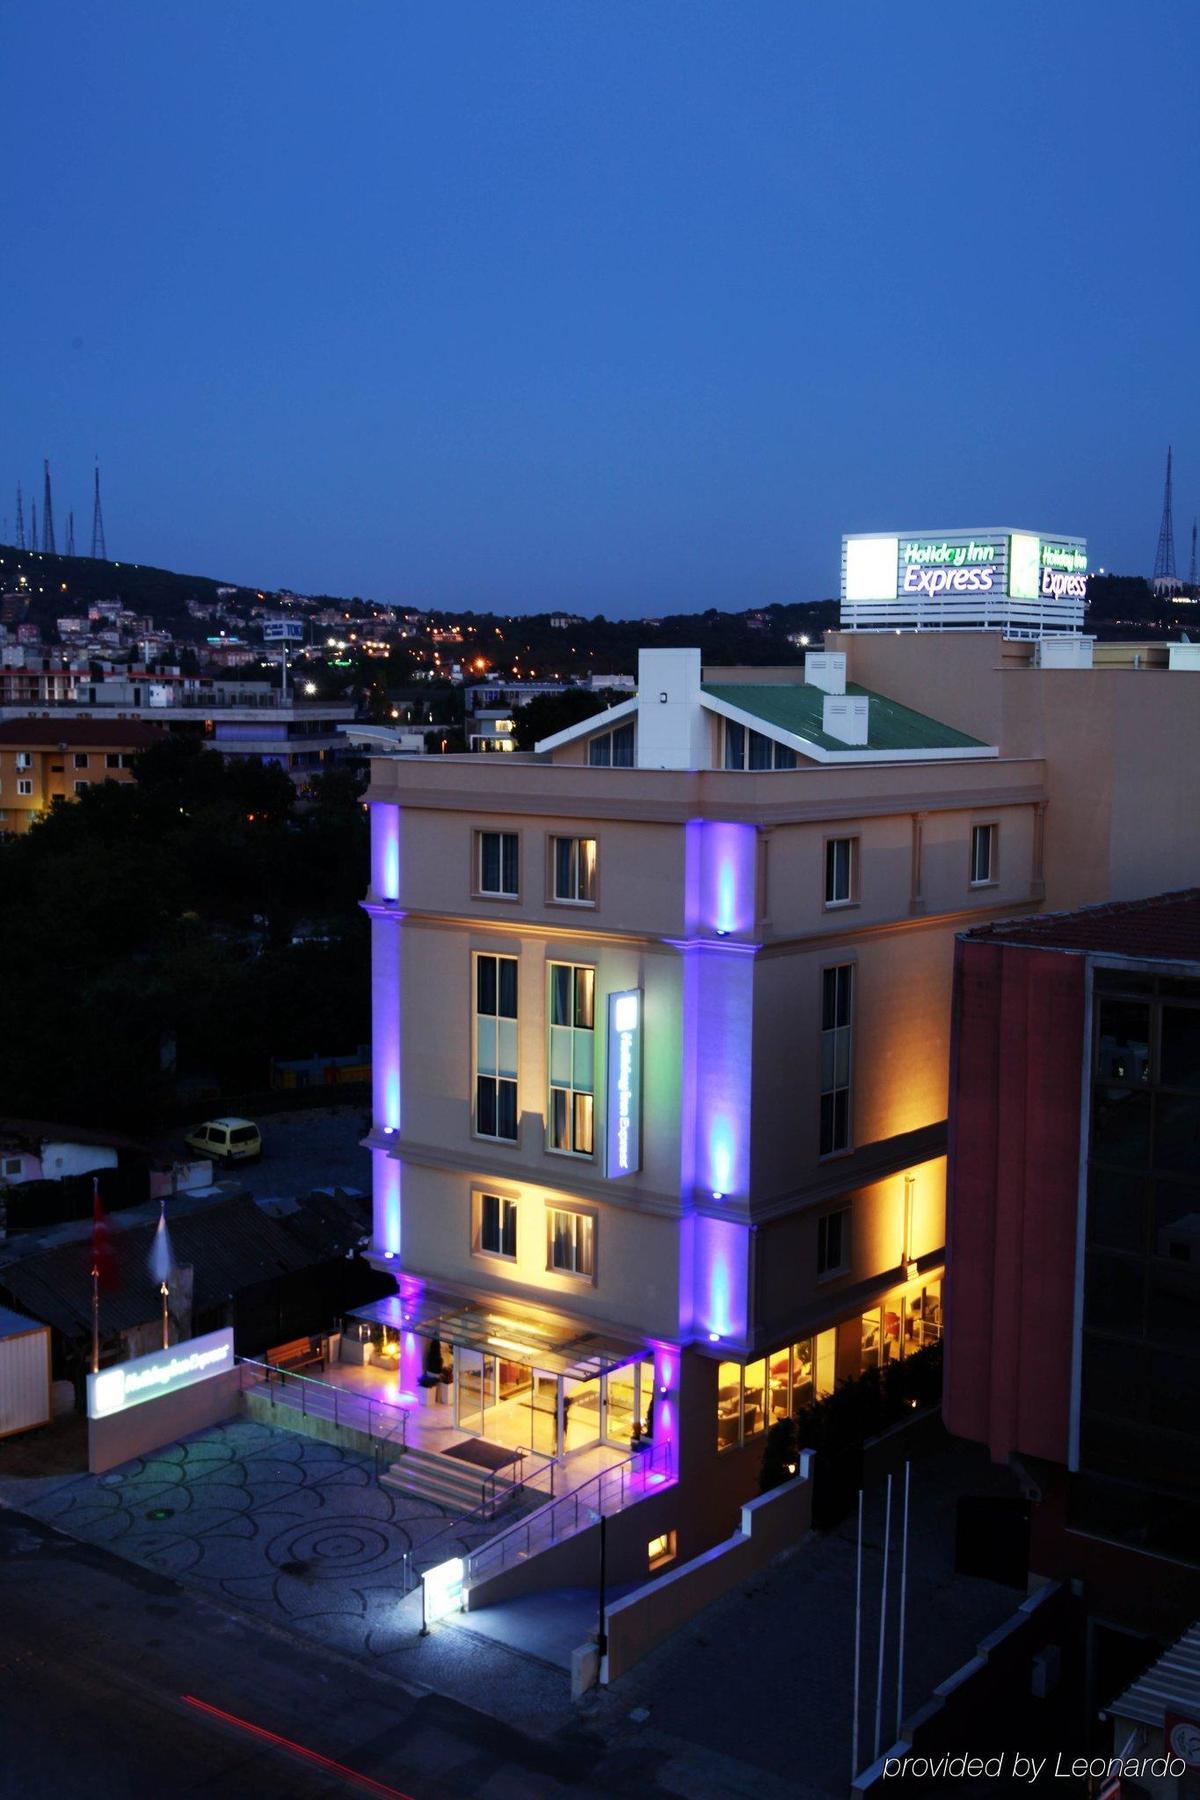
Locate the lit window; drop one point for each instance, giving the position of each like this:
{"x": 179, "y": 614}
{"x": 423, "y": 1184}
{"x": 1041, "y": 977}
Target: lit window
{"x": 837, "y": 986}
{"x": 497, "y": 1225}
{"x": 741, "y": 1403}
{"x": 572, "y": 1057}
{"x": 572, "y": 1242}
{"x": 841, "y": 857}
{"x": 833, "y": 1242}
{"x": 575, "y": 869}
{"x": 661, "y": 1550}
{"x": 496, "y": 1047}
{"x": 498, "y": 862}
{"x": 983, "y": 854}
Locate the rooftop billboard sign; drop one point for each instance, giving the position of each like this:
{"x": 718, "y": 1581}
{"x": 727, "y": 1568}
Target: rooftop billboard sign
{"x": 1024, "y": 583}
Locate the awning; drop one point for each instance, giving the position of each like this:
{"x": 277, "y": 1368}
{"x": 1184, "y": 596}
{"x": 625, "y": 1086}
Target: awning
{"x": 539, "y": 1340}
{"x": 1172, "y": 1684}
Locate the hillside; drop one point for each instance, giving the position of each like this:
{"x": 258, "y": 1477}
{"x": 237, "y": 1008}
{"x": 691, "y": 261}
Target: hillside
{"x": 69, "y": 584}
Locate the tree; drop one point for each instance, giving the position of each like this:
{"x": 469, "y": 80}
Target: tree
{"x": 545, "y": 714}
{"x": 780, "y": 1456}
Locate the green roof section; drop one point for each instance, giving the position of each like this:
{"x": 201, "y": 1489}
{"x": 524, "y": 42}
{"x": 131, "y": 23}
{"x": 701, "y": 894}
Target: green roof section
{"x": 800, "y": 710}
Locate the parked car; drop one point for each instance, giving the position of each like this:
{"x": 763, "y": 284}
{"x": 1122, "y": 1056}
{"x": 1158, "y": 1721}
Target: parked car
{"x": 231, "y": 1140}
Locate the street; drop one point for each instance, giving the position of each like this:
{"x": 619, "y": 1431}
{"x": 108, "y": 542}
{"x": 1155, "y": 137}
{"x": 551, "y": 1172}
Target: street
{"x": 98, "y": 1658}
{"x": 304, "y": 1150}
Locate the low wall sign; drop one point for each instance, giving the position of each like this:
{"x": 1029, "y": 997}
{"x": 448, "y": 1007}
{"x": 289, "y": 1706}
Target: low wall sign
{"x": 163, "y": 1372}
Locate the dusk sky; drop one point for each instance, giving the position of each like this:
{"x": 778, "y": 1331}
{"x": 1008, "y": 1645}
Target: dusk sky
{"x": 623, "y": 307}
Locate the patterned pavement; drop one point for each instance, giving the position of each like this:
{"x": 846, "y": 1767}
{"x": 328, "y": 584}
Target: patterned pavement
{"x": 284, "y": 1525}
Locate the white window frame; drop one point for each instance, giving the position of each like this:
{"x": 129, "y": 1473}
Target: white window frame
{"x": 569, "y": 1031}
{"x": 24, "y": 759}
{"x": 25, "y": 787}
{"x": 582, "y": 1236}
{"x": 577, "y": 871}
{"x": 834, "y": 899}
{"x": 81, "y": 759}
{"x": 489, "y": 1026}
{"x": 993, "y": 838}
{"x": 506, "y": 1211}
{"x": 500, "y": 893}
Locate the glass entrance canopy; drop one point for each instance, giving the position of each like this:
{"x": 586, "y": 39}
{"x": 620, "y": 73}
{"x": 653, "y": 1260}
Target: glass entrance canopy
{"x": 523, "y": 1335}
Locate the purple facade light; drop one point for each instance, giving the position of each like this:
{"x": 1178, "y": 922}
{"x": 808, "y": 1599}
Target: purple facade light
{"x": 385, "y": 1189}
{"x": 385, "y": 851}
{"x": 719, "y": 1279}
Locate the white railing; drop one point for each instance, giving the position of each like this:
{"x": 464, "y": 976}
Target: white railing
{"x": 606, "y": 1493}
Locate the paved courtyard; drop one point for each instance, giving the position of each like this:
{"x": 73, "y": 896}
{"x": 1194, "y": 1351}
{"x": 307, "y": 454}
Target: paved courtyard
{"x": 284, "y": 1525}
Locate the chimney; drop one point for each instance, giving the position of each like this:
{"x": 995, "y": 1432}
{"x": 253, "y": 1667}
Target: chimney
{"x": 672, "y": 726}
{"x": 846, "y": 717}
{"x": 826, "y": 669}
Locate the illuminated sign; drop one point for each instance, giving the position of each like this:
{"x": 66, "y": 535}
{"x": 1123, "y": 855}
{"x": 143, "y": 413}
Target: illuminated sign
{"x": 871, "y": 568}
{"x": 283, "y": 631}
{"x": 1071, "y": 558}
{"x": 1060, "y": 587}
{"x": 164, "y": 1372}
{"x": 1024, "y": 566}
{"x": 441, "y": 1591}
{"x": 918, "y": 580}
{"x": 954, "y": 555}
{"x": 624, "y": 1146}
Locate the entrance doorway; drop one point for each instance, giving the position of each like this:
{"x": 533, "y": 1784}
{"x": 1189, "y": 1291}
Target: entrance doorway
{"x": 527, "y": 1408}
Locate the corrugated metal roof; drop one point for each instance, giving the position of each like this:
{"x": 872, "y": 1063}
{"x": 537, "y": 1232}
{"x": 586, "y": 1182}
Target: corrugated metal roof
{"x": 799, "y": 709}
{"x": 230, "y": 1245}
{"x": 1172, "y": 1684}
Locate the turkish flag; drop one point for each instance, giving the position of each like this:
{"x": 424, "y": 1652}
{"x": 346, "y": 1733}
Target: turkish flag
{"x": 104, "y": 1262}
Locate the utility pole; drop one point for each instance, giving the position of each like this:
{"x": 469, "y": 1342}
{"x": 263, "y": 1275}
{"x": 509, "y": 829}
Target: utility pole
{"x": 1164, "y": 556}
{"x": 47, "y": 513}
{"x": 98, "y": 550}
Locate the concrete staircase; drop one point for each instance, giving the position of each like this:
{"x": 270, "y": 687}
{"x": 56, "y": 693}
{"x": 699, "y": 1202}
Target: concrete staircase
{"x": 461, "y": 1487}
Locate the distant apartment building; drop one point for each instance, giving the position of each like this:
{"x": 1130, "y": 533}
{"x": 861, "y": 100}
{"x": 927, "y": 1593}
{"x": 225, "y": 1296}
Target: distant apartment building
{"x": 236, "y": 718}
{"x": 1073, "y": 1347}
{"x": 45, "y": 760}
{"x": 490, "y": 729}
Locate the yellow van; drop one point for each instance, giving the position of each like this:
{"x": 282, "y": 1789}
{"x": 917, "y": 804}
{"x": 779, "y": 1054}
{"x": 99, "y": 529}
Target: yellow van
{"x": 230, "y": 1140}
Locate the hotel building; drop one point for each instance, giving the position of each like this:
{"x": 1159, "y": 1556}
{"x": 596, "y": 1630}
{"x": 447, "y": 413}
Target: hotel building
{"x": 661, "y": 1017}
{"x": 662, "y": 1009}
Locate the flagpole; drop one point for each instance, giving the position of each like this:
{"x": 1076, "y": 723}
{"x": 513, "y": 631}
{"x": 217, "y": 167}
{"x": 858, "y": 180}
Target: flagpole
{"x": 95, "y": 1319}
{"x": 163, "y": 1290}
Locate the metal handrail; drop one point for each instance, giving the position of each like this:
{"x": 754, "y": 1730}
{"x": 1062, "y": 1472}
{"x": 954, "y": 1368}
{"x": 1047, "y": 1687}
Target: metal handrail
{"x": 591, "y": 1499}
{"x": 345, "y": 1401}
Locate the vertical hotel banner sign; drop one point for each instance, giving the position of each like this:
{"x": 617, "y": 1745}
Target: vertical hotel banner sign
{"x": 624, "y": 1095}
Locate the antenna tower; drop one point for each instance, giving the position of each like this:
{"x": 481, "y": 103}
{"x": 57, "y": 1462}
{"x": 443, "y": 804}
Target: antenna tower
{"x": 1192, "y": 570}
{"x": 1164, "y": 556}
{"x": 70, "y": 534}
{"x": 20, "y": 519}
{"x": 33, "y": 524}
{"x": 47, "y": 513}
{"x": 98, "y": 549}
